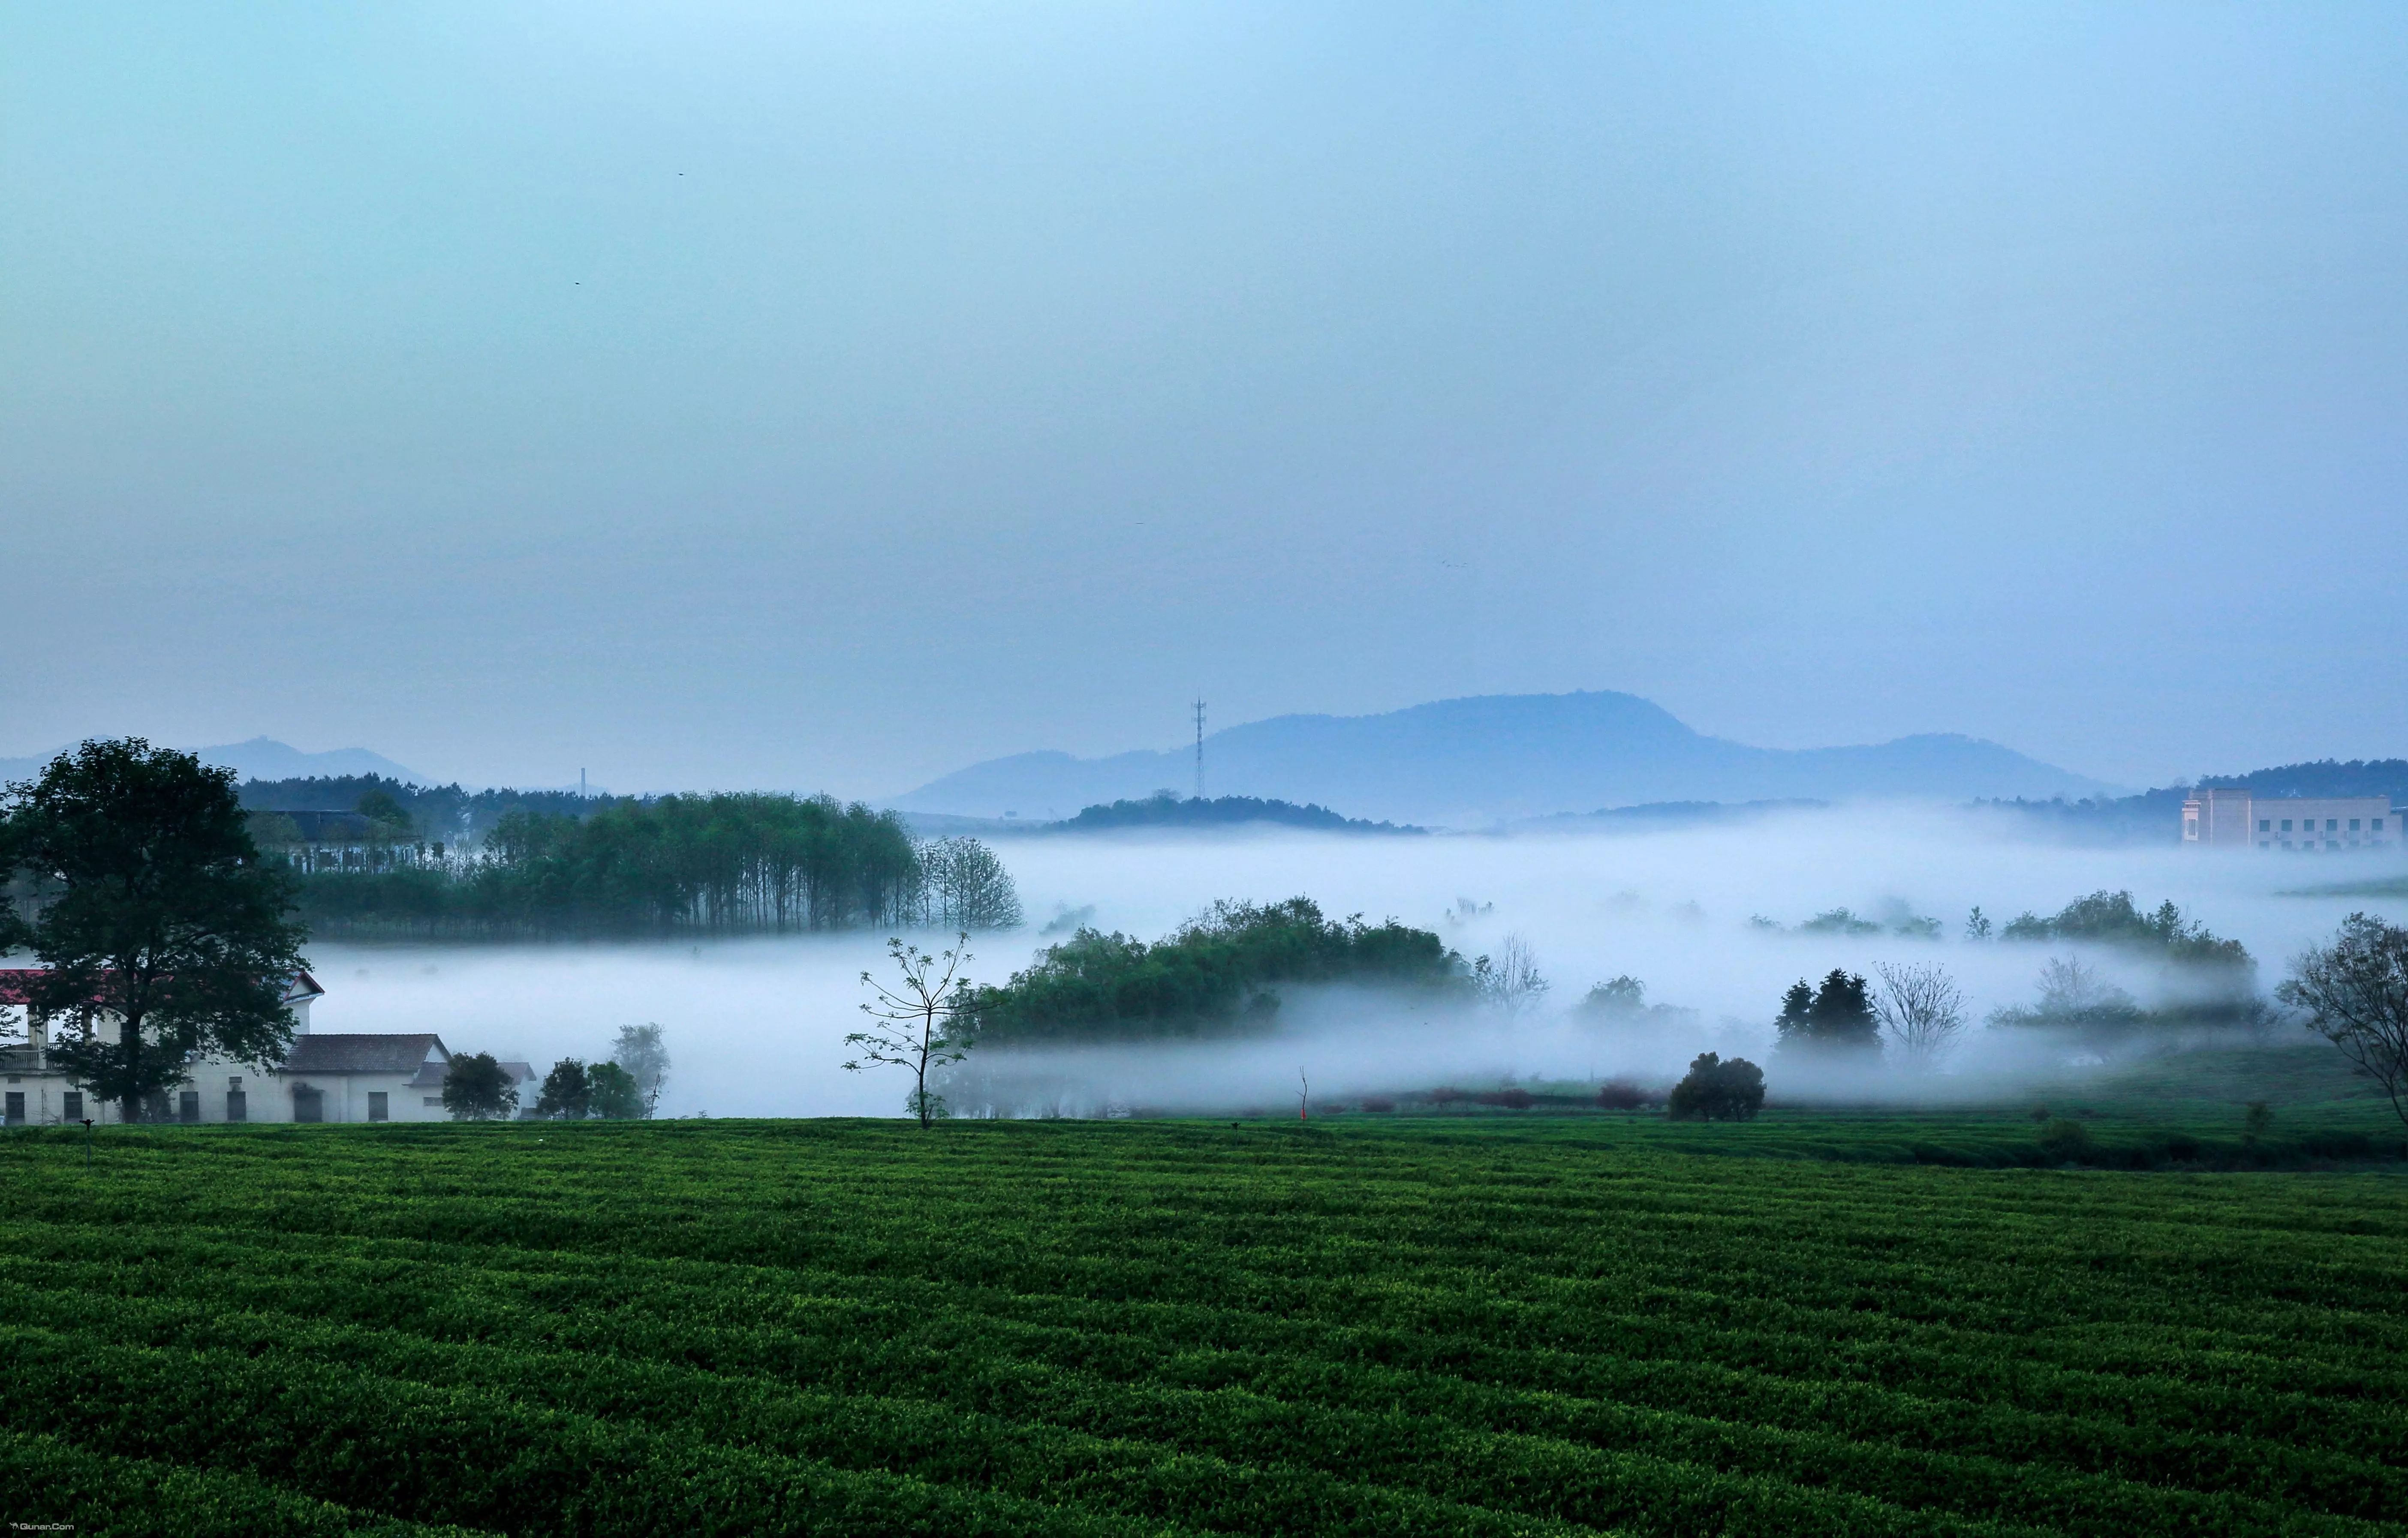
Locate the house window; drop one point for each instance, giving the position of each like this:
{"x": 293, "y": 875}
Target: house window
{"x": 2190, "y": 827}
{"x": 237, "y": 1105}
{"x": 2333, "y": 824}
{"x": 377, "y": 1106}
{"x": 432, "y": 1102}
{"x": 71, "y": 1105}
{"x": 308, "y": 1105}
{"x": 2286, "y": 828}
{"x": 2353, "y": 824}
{"x": 2264, "y": 844}
{"x": 15, "y": 1108}
{"x": 2265, "y": 824}
{"x": 2378, "y": 825}
{"x": 188, "y": 1107}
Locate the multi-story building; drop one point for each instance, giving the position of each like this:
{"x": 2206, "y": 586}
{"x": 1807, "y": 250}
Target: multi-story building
{"x": 2238, "y": 819}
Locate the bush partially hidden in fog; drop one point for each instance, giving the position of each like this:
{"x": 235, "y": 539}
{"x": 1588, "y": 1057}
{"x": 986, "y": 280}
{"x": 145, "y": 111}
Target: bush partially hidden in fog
{"x": 1621, "y": 1003}
{"x": 1715, "y": 1090}
{"x": 1216, "y": 974}
{"x": 2074, "y": 998}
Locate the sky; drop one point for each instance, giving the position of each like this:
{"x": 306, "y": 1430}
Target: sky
{"x": 827, "y": 398}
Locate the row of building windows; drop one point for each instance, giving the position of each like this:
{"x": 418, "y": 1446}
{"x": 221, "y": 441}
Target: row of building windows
{"x": 2310, "y": 844}
{"x": 2308, "y": 824}
{"x": 308, "y": 1107}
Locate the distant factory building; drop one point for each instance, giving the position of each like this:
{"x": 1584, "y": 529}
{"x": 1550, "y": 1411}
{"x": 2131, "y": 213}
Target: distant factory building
{"x": 2236, "y": 819}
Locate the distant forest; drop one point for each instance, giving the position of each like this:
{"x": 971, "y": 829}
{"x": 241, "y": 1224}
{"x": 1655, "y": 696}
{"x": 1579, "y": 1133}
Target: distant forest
{"x": 2154, "y": 817}
{"x": 1166, "y": 810}
{"x": 436, "y": 814}
{"x": 543, "y": 864}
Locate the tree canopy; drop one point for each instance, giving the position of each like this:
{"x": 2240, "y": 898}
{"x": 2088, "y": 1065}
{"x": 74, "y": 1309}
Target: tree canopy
{"x": 1838, "y": 1015}
{"x": 1716, "y": 1090}
{"x": 1214, "y": 974}
{"x": 477, "y": 1088}
{"x": 152, "y": 904}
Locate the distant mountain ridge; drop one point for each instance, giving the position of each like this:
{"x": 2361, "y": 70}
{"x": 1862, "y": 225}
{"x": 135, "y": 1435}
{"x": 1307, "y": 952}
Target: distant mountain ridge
{"x": 260, "y": 758}
{"x": 1493, "y": 758}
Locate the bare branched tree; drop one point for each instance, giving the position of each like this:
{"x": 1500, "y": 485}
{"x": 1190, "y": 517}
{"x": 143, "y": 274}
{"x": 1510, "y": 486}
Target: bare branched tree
{"x": 921, "y": 1020}
{"x": 2354, "y": 993}
{"x": 1922, "y": 1009}
{"x": 1511, "y": 981}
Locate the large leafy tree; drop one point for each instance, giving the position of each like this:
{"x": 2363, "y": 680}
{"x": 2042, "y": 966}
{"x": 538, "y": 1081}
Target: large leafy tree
{"x": 477, "y": 1088}
{"x": 152, "y": 904}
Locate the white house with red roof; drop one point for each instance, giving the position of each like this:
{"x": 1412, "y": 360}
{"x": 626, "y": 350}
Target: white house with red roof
{"x": 341, "y": 1076}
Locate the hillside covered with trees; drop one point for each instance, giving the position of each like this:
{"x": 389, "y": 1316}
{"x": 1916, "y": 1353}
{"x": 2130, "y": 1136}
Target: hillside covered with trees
{"x": 1166, "y": 810}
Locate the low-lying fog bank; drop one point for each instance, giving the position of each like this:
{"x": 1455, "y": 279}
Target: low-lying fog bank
{"x": 756, "y": 1026}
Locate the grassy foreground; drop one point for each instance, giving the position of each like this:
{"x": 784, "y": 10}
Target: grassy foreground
{"x": 1474, "y": 1326}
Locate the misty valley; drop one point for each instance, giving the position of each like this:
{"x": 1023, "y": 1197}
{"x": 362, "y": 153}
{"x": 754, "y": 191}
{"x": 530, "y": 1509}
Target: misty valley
{"x": 1144, "y": 960}
{"x": 1203, "y": 771}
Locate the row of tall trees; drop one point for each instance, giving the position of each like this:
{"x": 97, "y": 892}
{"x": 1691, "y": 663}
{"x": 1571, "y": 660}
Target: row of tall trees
{"x": 731, "y": 863}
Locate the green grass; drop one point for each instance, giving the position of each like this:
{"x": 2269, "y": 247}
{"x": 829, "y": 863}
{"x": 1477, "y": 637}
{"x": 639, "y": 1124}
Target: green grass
{"x": 1480, "y": 1325}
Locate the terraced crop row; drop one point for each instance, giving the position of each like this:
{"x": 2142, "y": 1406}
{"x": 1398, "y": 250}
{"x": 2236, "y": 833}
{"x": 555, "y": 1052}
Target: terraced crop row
{"x": 1149, "y": 1328}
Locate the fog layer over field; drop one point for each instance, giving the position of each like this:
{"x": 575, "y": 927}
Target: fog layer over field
{"x": 756, "y": 1026}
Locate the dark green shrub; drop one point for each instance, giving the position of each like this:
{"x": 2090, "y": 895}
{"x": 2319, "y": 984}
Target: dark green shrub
{"x": 1715, "y": 1090}
{"x": 2065, "y": 1141}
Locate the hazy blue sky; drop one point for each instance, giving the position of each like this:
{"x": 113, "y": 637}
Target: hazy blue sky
{"x": 730, "y": 394}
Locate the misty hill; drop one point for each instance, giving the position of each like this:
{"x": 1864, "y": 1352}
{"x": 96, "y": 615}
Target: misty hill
{"x": 1164, "y": 811}
{"x": 260, "y": 758}
{"x": 1496, "y": 757}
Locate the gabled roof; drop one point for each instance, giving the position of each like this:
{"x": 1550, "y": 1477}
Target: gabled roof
{"x": 363, "y": 1052}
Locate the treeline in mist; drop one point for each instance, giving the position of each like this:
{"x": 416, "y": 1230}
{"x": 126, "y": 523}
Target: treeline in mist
{"x": 715, "y": 864}
{"x": 437, "y": 815}
{"x": 1164, "y": 810}
{"x": 1209, "y": 977}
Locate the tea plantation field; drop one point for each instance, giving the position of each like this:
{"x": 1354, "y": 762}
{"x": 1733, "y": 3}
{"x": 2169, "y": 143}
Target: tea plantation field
{"x": 1468, "y": 1326}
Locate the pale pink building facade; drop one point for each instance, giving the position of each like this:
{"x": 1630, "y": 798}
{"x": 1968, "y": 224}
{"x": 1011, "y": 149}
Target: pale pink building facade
{"x": 2236, "y": 819}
